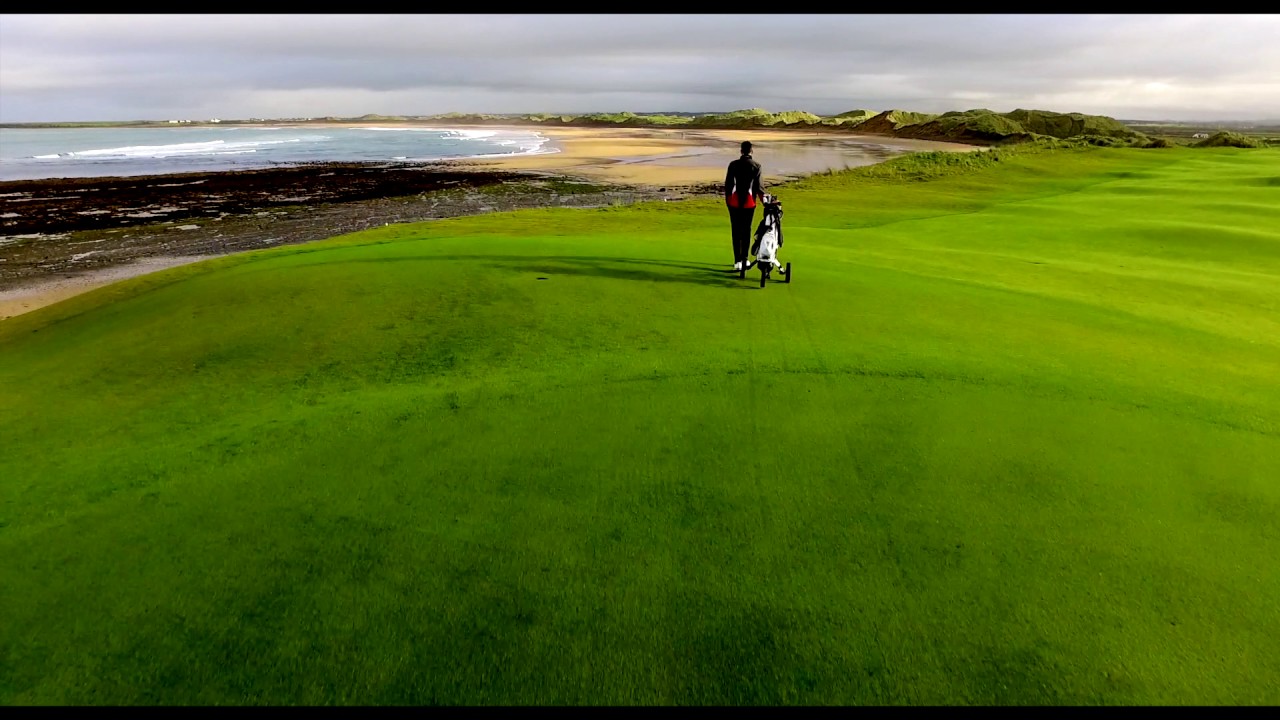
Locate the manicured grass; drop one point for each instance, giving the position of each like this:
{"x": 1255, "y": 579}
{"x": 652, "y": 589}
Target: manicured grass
{"x": 1012, "y": 436}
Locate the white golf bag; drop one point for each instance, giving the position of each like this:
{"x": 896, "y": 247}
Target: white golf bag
{"x": 769, "y": 233}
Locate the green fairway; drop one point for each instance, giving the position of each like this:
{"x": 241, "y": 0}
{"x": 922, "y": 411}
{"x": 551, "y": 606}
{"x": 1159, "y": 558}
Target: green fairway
{"x": 1012, "y": 436}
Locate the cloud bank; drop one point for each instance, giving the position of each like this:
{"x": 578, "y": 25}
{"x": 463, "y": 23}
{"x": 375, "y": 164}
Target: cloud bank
{"x": 127, "y": 67}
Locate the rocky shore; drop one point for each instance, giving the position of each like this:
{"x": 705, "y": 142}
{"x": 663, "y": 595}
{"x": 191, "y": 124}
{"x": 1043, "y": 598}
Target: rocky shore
{"x": 57, "y": 229}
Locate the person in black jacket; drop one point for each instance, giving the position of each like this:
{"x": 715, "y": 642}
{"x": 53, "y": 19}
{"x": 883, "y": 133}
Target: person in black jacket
{"x": 742, "y": 190}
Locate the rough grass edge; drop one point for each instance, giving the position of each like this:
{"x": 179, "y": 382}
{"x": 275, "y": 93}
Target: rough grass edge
{"x": 932, "y": 164}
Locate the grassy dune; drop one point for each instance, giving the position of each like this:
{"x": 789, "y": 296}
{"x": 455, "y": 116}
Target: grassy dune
{"x": 1011, "y": 436}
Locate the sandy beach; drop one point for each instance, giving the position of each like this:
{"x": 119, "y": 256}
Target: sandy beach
{"x": 688, "y": 158}
{"x": 26, "y": 298}
{"x": 68, "y": 241}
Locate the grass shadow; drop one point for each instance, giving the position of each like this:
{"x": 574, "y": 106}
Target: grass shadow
{"x": 593, "y": 266}
{"x": 622, "y": 269}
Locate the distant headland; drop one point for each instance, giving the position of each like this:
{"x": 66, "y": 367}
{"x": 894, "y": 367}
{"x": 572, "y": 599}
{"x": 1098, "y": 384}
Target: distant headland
{"x": 976, "y": 126}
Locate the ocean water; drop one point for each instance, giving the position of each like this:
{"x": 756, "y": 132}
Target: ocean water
{"x": 37, "y": 153}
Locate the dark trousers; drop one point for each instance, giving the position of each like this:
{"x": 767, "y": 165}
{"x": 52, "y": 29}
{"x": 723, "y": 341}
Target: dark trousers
{"x": 740, "y": 220}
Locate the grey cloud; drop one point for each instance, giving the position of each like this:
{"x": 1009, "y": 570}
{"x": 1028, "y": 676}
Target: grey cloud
{"x": 77, "y": 67}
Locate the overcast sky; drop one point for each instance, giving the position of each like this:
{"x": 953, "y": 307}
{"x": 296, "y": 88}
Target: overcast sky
{"x": 156, "y": 67}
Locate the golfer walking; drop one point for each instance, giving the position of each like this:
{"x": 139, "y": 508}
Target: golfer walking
{"x": 742, "y": 190}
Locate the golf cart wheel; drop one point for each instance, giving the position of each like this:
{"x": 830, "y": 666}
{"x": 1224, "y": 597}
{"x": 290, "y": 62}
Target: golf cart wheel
{"x": 788, "y": 280}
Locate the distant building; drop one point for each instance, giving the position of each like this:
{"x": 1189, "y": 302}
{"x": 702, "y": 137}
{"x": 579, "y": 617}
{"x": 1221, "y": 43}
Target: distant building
{"x": 1199, "y": 136}
{"x": 215, "y": 120}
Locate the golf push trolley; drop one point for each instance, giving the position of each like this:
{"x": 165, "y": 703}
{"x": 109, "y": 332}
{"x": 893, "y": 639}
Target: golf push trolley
{"x": 767, "y": 243}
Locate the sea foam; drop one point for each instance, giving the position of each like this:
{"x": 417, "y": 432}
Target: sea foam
{"x": 41, "y": 153}
{"x": 209, "y": 147}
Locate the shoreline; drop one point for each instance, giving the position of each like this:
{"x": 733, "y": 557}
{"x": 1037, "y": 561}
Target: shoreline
{"x": 77, "y": 234}
{"x": 63, "y": 236}
{"x": 657, "y": 157}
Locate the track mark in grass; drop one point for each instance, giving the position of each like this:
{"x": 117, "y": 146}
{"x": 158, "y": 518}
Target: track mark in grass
{"x": 1021, "y": 674}
{"x": 738, "y": 656}
{"x": 1244, "y": 510}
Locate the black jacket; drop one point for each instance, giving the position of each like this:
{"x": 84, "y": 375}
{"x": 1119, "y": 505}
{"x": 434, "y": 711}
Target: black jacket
{"x": 743, "y": 179}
